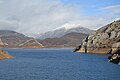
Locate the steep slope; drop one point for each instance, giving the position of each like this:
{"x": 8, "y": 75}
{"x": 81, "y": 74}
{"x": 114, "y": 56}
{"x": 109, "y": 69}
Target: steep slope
{"x": 32, "y": 43}
{"x": 68, "y": 40}
{"x": 12, "y": 38}
{"x": 1, "y": 43}
{"x": 65, "y": 29}
{"x": 103, "y": 40}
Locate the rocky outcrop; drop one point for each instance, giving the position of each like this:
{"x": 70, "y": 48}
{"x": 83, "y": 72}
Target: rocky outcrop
{"x": 1, "y": 42}
{"x": 32, "y": 43}
{"x": 102, "y": 40}
{"x": 115, "y": 57}
{"x": 4, "y": 55}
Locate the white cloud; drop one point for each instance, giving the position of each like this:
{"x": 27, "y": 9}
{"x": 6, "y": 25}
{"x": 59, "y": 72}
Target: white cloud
{"x": 113, "y": 9}
{"x": 36, "y": 16}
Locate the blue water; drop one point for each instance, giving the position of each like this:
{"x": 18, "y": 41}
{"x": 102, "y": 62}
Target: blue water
{"x": 57, "y": 64}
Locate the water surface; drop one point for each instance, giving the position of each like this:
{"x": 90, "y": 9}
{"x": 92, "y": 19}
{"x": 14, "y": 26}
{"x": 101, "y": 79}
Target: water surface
{"x": 57, "y": 64}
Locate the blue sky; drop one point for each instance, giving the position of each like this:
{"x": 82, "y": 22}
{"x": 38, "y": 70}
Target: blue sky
{"x": 92, "y": 7}
{"x": 38, "y": 16}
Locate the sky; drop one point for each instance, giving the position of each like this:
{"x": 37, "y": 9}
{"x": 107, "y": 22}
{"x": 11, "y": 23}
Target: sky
{"x": 38, "y": 16}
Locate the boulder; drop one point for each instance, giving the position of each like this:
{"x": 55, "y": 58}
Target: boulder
{"x": 118, "y": 35}
{"x": 104, "y": 36}
{"x": 113, "y": 34}
{"x": 116, "y": 45}
{"x": 115, "y": 57}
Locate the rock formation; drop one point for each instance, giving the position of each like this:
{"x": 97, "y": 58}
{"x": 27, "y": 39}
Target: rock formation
{"x": 115, "y": 57}
{"x": 102, "y": 40}
{"x": 4, "y": 55}
{"x": 1, "y": 42}
{"x": 32, "y": 43}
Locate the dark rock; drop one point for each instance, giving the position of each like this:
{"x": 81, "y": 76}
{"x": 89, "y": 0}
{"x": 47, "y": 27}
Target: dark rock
{"x": 77, "y": 48}
{"x": 115, "y": 57}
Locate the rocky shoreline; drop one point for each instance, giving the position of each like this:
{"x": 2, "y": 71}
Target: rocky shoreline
{"x": 4, "y": 55}
{"x": 103, "y": 41}
{"x": 115, "y": 57}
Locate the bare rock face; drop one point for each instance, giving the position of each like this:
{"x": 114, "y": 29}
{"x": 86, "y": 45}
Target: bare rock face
{"x": 1, "y": 43}
{"x": 32, "y": 43}
{"x": 102, "y": 40}
{"x": 4, "y": 55}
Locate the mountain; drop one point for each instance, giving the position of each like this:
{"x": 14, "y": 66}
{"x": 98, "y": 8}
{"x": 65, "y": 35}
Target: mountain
{"x": 103, "y": 40}
{"x": 12, "y": 39}
{"x": 69, "y": 40}
{"x": 63, "y": 30}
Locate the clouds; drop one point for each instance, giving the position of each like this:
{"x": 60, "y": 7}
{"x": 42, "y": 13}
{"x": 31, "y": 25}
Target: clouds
{"x": 113, "y": 9}
{"x": 36, "y": 16}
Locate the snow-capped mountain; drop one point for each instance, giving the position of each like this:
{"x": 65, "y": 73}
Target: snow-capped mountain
{"x": 65, "y": 29}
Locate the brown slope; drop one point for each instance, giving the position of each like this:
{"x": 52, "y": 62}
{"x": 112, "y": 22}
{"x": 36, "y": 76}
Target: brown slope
{"x": 14, "y": 39}
{"x": 68, "y": 40}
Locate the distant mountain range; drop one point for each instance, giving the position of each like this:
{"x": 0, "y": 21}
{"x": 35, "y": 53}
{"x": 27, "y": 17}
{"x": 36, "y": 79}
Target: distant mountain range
{"x": 63, "y": 30}
{"x": 69, "y": 40}
{"x": 14, "y": 39}
{"x": 68, "y": 35}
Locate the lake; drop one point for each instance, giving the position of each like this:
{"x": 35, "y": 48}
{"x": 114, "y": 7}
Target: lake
{"x": 57, "y": 64}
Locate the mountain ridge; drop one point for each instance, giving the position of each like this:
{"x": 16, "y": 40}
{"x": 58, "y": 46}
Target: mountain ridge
{"x": 63, "y": 30}
{"x": 13, "y": 39}
{"x": 68, "y": 40}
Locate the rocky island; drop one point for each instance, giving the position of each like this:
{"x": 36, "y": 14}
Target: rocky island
{"x": 4, "y": 55}
{"x": 104, "y": 40}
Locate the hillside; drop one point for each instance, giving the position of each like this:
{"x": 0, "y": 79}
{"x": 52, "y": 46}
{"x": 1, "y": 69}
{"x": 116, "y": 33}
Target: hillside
{"x": 32, "y": 43}
{"x": 13, "y": 39}
{"x": 68, "y": 40}
{"x": 103, "y": 40}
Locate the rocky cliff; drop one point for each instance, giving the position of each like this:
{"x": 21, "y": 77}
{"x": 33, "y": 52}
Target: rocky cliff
{"x": 4, "y": 55}
{"x": 102, "y": 40}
